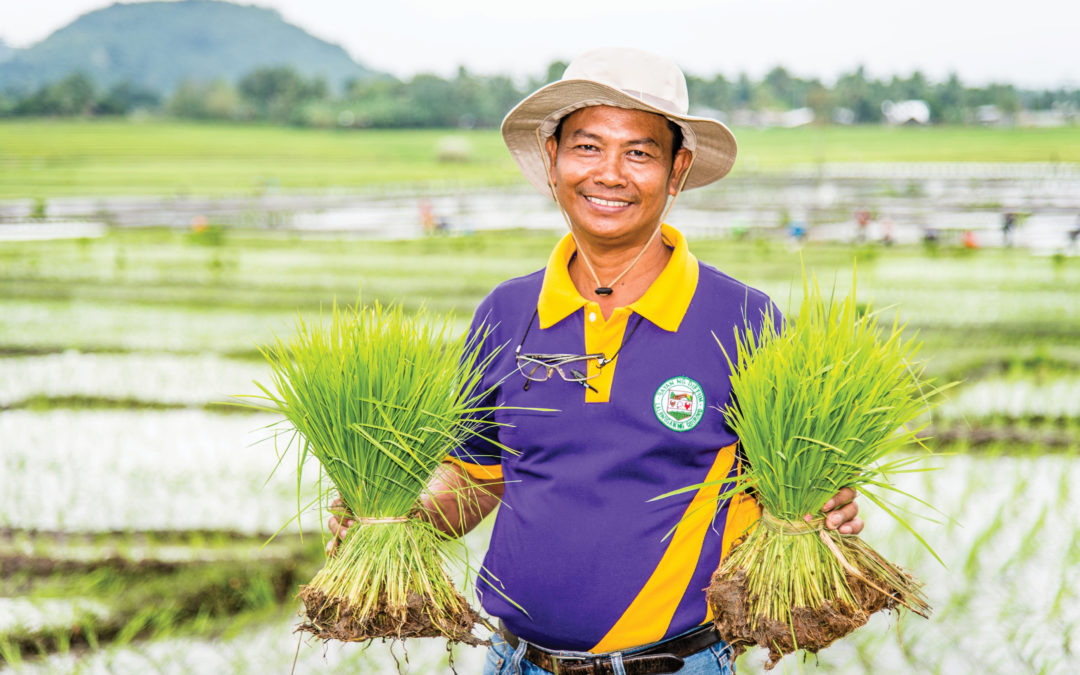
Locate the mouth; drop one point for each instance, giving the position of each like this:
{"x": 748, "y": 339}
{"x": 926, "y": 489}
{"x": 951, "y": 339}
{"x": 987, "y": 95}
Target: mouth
{"x": 607, "y": 203}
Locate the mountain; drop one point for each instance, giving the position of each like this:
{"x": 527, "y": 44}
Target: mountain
{"x": 156, "y": 45}
{"x": 6, "y": 51}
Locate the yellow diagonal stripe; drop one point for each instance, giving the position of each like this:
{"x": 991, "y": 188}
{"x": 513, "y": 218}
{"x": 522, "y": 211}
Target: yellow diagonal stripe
{"x": 649, "y": 615}
{"x": 480, "y": 471}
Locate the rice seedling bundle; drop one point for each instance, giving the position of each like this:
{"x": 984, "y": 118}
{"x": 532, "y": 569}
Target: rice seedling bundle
{"x": 378, "y": 397}
{"x": 822, "y": 403}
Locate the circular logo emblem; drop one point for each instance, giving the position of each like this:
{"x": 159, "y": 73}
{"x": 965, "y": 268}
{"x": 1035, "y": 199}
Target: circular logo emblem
{"x": 679, "y": 403}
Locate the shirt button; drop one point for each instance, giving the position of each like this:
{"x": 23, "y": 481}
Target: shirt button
{"x": 592, "y": 316}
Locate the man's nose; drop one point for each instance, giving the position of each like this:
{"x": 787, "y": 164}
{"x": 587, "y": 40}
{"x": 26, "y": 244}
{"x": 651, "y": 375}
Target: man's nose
{"x": 610, "y": 171}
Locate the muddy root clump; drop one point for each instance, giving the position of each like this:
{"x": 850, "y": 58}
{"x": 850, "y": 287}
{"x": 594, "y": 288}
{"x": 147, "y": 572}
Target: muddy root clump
{"x": 331, "y": 618}
{"x": 811, "y": 628}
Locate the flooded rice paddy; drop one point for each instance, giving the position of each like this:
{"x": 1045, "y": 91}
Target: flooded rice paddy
{"x": 163, "y": 378}
{"x": 141, "y": 470}
{"x": 136, "y": 503}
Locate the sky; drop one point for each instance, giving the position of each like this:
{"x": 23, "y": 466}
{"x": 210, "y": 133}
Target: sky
{"x": 1032, "y": 43}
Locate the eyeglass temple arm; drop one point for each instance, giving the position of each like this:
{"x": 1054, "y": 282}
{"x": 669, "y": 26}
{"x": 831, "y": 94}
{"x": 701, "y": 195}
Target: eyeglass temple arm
{"x": 583, "y": 381}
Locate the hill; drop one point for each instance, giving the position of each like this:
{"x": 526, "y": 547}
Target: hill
{"x": 6, "y": 51}
{"x": 157, "y": 45}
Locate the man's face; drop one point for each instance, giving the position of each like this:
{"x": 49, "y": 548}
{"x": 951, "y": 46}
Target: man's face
{"x": 613, "y": 172}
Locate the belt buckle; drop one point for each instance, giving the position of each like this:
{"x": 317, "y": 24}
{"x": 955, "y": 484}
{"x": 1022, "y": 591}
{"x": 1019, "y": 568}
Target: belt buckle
{"x": 556, "y": 662}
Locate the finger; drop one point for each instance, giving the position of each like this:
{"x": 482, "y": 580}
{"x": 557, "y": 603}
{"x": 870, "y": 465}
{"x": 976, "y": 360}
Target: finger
{"x": 344, "y": 529}
{"x": 338, "y": 507}
{"x": 844, "y": 496}
{"x": 333, "y": 524}
{"x": 842, "y": 515}
{"x": 331, "y": 546}
{"x": 851, "y": 527}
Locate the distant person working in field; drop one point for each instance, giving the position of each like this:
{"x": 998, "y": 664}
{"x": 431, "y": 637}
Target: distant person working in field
{"x": 616, "y": 337}
{"x": 862, "y": 224}
{"x": 1008, "y": 224}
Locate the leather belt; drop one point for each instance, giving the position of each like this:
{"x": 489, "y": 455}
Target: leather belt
{"x": 663, "y": 657}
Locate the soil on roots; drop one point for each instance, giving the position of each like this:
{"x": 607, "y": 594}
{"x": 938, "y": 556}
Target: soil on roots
{"x": 811, "y": 628}
{"x": 336, "y": 619}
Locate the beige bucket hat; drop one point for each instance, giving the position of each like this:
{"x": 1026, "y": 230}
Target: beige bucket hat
{"x": 624, "y": 78}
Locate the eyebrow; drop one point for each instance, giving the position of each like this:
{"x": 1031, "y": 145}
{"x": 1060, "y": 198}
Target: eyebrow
{"x": 581, "y": 133}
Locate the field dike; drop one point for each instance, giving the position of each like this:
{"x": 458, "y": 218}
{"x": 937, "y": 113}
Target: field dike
{"x": 68, "y": 592}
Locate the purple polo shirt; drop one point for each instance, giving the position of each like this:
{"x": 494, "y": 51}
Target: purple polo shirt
{"x": 592, "y": 563}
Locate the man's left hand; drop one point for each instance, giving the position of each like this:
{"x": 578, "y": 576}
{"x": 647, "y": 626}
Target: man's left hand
{"x": 842, "y": 513}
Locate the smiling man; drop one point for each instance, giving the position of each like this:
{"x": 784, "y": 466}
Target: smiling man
{"x": 611, "y": 382}
{"x": 613, "y": 170}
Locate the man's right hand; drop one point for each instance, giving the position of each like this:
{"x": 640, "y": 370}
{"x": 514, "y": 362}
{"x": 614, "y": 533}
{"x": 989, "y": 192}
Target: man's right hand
{"x": 454, "y": 503}
{"x": 341, "y": 519}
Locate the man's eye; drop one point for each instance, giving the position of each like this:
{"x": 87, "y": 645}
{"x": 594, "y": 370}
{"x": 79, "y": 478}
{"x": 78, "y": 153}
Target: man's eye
{"x": 586, "y": 147}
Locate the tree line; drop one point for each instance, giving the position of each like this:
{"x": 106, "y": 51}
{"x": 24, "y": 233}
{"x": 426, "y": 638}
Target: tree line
{"x": 282, "y": 95}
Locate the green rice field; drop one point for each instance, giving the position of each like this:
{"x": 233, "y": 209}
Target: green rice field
{"x": 134, "y": 504}
{"x": 54, "y": 158}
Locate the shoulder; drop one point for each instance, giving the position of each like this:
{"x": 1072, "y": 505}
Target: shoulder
{"x": 718, "y": 286}
{"x": 724, "y": 299}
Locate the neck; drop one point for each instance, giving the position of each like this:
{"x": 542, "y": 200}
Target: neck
{"x": 628, "y": 270}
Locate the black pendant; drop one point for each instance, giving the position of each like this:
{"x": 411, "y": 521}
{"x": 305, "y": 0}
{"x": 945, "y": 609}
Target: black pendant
{"x": 603, "y": 290}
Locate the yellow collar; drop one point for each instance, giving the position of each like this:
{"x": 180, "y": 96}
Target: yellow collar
{"x": 664, "y": 303}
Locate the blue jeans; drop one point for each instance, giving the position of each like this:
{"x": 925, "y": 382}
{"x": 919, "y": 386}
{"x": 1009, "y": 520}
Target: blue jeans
{"x": 502, "y": 660}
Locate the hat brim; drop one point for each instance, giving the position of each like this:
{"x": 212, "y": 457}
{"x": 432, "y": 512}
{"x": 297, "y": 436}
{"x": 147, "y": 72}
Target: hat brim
{"x": 712, "y": 143}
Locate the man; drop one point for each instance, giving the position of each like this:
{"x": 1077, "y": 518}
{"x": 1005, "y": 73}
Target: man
{"x": 611, "y": 382}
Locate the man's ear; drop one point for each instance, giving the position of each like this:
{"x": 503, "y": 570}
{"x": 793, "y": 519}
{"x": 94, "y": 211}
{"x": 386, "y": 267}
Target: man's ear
{"x": 679, "y": 166}
{"x": 552, "y": 147}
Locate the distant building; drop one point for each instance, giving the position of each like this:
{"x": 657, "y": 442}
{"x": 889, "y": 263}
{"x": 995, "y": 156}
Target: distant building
{"x": 843, "y": 116}
{"x": 712, "y": 113}
{"x": 906, "y": 112}
{"x": 989, "y": 115}
{"x": 744, "y": 117}
{"x": 799, "y": 117}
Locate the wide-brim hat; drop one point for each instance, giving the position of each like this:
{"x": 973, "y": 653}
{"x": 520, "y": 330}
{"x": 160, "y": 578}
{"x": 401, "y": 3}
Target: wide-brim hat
{"x": 624, "y": 78}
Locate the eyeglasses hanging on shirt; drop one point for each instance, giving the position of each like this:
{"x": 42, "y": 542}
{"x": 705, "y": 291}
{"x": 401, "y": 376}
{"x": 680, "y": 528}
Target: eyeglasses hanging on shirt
{"x": 570, "y": 367}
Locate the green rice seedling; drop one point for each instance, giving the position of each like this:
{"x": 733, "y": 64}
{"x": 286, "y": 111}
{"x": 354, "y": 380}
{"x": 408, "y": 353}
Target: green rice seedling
{"x": 823, "y": 403}
{"x": 1031, "y": 542}
{"x": 378, "y": 397}
{"x": 10, "y": 654}
{"x": 974, "y": 561}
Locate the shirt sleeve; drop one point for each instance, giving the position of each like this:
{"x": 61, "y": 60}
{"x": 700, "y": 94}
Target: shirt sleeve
{"x": 479, "y": 452}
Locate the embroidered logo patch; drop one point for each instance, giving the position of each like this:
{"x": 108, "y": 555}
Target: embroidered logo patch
{"x": 679, "y": 403}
